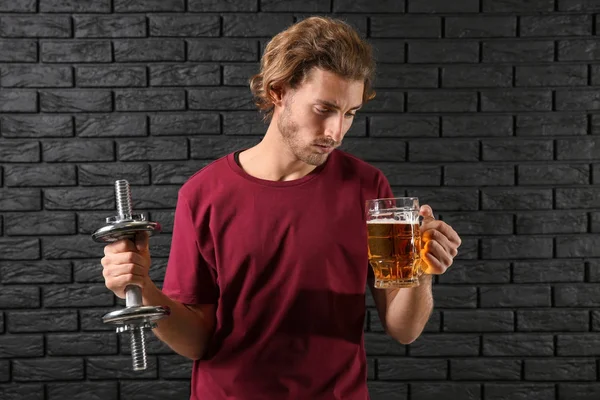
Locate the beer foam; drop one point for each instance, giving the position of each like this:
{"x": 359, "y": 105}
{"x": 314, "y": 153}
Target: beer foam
{"x": 392, "y": 221}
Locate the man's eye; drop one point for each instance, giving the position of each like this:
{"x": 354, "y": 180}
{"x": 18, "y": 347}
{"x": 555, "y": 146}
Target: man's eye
{"x": 322, "y": 110}
{"x": 350, "y": 115}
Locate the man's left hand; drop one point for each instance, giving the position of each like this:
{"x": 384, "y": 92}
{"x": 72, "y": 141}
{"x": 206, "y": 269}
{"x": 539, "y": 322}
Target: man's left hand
{"x": 439, "y": 243}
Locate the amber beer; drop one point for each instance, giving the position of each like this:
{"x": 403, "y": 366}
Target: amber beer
{"x": 394, "y": 243}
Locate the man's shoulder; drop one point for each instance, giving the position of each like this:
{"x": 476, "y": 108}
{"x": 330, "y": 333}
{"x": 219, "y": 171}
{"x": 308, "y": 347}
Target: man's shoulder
{"x": 357, "y": 165}
{"x": 207, "y": 176}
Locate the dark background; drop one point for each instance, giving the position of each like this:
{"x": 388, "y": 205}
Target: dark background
{"x": 487, "y": 110}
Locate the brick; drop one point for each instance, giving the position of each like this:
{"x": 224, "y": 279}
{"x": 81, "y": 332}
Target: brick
{"x": 154, "y": 198}
{"x": 454, "y": 297}
{"x": 485, "y": 369}
{"x": 476, "y": 76}
{"x": 442, "y": 199}
{"x": 152, "y": 149}
{"x": 97, "y": 26}
{"x": 103, "y": 174}
{"x": 577, "y": 246}
{"x": 382, "y": 344}
{"x": 184, "y": 25}
{"x": 593, "y": 268}
{"x": 388, "y": 50}
{"x": 19, "y": 249}
{"x": 387, "y": 6}
{"x": 469, "y": 249}
{"x": 554, "y": 174}
{"x": 220, "y": 98}
{"x": 77, "y": 296}
{"x": 441, "y": 6}
{"x": 72, "y": 344}
{"x": 386, "y": 101}
{"x": 12, "y": 50}
{"x": 518, "y": 391}
{"x": 568, "y": 198}
{"x": 41, "y": 321}
{"x": 314, "y": 6}
{"x": 218, "y": 5}
{"x": 149, "y": 100}
{"x": 478, "y": 174}
{"x": 414, "y": 175}
{"x": 19, "y": 151}
{"x": 560, "y": 370}
{"x": 21, "y": 126}
{"x": 75, "y": 101}
{"x": 77, "y": 150}
{"x": 18, "y": 101}
{"x": 435, "y": 390}
{"x": 443, "y": 150}
{"x": 75, "y": 51}
{"x": 515, "y": 296}
{"x": 42, "y": 175}
{"x": 517, "y": 247}
{"x": 12, "y": 346}
{"x": 447, "y": 51}
{"x": 83, "y": 391}
{"x": 554, "y": 124}
{"x": 111, "y": 125}
{"x": 91, "y": 319}
{"x": 35, "y": 26}
{"x": 166, "y": 219}
{"x": 174, "y": 367}
{"x": 403, "y": 126}
{"x": 580, "y": 295}
{"x": 480, "y": 223}
{"x": 40, "y": 223}
{"x": 517, "y": 150}
{"x": 47, "y": 369}
{"x": 478, "y": 321}
{"x": 239, "y": 74}
{"x": 552, "y": 222}
{"x": 110, "y": 76}
{"x": 595, "y": 220}
{"x": 578, "y": 5}
{"x": 578, "y": 50}
{"x": 87, "y": 271}
{"x": 18, "y": 296}
{"x": 78, "y": 199}
{"x": 20, "y": 199}
{"x": 517, "y": 6}
{"x": 4, "y": 374}
{"x": 405, "y": 26}
{"x": 139, "y": 390}
{"x": 185, "y": 124}
{"x": 552, "y": 320}
{"x": 406, "y": 76}
{"x": 147, "y": 50}
{"x": 516, "y": 100}
{"x": 517, "y": 51}
{"x": 372, "y": 149}
{"x": 36, "y": 76}
{"x": 255, "y": 25}
{"x": 212, "y": 147}
{"x": 184, "y": 75}
{"x": 556, "y": 25}
{"x": 23, "y": 6}
{"x": 70, "y": 247}
{"x": 577, "y": 100}
{"x": 476, "y": 125}
{"x": 444, "y": 344}
{"x": 22, "y": 391}
{"x": 76, "y": 6}
{"x": 518, "y": 345}
{"x": 442, "y": 101}
{"x": 578, "y": 391}
{"x": 413, "y": 369}
{"x": 577, "y": 345}
{"x": 578, "y": 149}
{"x": 477, "y": 272}
{"x": 118, "y": 367}
{"x": 551, "y": 75}
{"x": 35, "y": 272}
{"x": 480, "y": 26}
{"x": 225, "y": 49}
{"x": 595, "y": 75}
{"x": 150, "y": 6}
{"x": 548, "y": 271}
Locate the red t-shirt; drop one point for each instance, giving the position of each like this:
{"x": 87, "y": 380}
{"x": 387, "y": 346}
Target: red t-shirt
{"x": 286, "y": 264}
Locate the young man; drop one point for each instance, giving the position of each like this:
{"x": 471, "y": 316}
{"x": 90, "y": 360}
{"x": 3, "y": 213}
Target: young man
{"x": 268, "y": 265}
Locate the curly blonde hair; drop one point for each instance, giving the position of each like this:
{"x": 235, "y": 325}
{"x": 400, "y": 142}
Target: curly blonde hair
{"x": 322, "y": 42}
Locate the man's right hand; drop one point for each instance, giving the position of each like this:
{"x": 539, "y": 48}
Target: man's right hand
{"x": 126, "y": 263}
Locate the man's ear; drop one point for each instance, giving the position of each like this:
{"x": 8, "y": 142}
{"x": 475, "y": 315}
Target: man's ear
{"x": 276, "y": 92}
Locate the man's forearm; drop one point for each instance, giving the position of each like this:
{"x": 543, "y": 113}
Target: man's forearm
{"x": 409, "y": 310}
{"x": 185, "y": 331}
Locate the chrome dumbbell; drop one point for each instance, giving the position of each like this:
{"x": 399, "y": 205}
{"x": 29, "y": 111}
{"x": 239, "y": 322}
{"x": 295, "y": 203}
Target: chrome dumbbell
{"x": 135, "y": 318}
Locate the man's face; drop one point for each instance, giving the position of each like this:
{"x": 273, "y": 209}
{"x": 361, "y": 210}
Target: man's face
{"x": 315, "y": 116}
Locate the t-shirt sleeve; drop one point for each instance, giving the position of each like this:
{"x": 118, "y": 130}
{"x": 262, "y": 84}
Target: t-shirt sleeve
{"x": 189, "y": 278}
{"x": 384, "y": 190}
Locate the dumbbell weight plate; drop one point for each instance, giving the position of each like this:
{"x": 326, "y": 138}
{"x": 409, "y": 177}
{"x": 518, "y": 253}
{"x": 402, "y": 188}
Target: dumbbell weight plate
{"x": 123, "y": 229}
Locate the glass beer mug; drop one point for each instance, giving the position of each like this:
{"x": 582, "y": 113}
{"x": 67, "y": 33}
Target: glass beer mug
{"x": 394, "y": 241}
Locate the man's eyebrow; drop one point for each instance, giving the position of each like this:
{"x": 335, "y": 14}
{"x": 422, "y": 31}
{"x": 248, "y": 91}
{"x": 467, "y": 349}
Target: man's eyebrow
{"x": 335, "y": 106}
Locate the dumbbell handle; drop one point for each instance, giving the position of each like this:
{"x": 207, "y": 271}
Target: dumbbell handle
{"x": 133, "y": 296}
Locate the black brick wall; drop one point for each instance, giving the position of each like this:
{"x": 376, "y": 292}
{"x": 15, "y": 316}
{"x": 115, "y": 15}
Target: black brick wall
{"x": 486, "y": 109}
